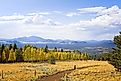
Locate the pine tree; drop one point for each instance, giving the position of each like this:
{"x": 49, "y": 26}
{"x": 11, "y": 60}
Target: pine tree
{"x": 19, "y": 57}
{"x": 55, "y": 49}
{"x": 116, "y": 56}
{"x": 10, "y": 46}
{"x": 46, "y": 49}
{"x": 0, "y": 54}
{"x": 14, "y": 46}
{"x": 61, "y": 50}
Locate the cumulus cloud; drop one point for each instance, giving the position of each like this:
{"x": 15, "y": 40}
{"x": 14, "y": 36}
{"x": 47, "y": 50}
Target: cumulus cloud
{"x": 31, "y": 18}
{"x": 110, "y": 17}
{"x": 112, "y": 20}
{"x": 113, "y": 10}
{"x": 105, "y": 24}
{"x": 95, "y": 10}
{"x": 41, "y": 20}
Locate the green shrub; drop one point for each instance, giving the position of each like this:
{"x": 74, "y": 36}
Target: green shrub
{"x": 51, "y": 60}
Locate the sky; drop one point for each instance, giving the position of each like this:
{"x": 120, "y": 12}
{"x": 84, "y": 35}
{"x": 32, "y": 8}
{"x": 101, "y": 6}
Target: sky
{"x": 60, "y": 19}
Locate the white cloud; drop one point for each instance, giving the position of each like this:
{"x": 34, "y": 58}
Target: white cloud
{"x": 113, "y": 10}
{"x": 104, "y": 25}
{"x": 95, "y": 10}
{"x": 31, "y": 18}
{"x": 111, "y": 17}
{"x": 91, "y": 10}
{"x": 72, "y": 14}
{"x": 12, "y": 18}
{"x": 39, "y": 13}
{"x": 58, "y": 12}
{"x": 41, "y": 20}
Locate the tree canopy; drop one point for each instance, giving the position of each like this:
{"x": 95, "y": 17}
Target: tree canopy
{"x": 29, "y": 53}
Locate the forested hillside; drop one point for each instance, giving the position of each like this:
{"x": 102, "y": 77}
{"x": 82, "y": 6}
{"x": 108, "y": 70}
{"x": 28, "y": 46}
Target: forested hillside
{"x": 28, "y": 53}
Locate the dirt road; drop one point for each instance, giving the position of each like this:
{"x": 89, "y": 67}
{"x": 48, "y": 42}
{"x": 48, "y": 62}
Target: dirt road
{"x": 58, "y": 76}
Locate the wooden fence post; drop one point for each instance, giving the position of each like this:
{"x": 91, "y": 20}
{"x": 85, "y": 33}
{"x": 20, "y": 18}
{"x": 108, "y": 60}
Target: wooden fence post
{"x": 74, "y": 67}
{"x": 2, "y": 75}
{"x": 35, "y": 73}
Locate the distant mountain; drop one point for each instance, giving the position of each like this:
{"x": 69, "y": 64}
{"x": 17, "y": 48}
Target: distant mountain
{"x": 92, "y": 46}
{"x": 39, "y": 40}
{"x": 29, "y": 39}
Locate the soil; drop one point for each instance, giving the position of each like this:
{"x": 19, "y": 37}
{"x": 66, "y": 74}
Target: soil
{"x": 59, "y": 75}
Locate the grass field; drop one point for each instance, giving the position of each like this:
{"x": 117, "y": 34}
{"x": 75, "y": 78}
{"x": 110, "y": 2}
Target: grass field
{"x": 31, "y": 71}
{"x": 103, "y": 72}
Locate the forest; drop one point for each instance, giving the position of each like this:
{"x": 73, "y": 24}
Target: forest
{"x": 28, "y": 53}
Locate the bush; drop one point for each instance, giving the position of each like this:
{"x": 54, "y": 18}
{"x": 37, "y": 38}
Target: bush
{"x": 51, "y": 60}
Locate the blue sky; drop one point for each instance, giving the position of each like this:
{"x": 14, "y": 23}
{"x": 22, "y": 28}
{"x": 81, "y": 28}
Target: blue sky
{"x": 24, "y": 6}
{"x": 60, "y": 19}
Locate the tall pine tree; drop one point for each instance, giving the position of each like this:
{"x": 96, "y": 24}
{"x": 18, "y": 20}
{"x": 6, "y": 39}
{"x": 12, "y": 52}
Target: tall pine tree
{"x": 116, "y": 56}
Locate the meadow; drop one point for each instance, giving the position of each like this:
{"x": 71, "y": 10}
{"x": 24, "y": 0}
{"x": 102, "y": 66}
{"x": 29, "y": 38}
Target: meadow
{"x": 95, "y": 71}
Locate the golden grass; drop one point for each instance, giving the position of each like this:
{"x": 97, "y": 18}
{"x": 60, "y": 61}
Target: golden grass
{"x": 26, "y": 71}
{"x": 103, "y": 72}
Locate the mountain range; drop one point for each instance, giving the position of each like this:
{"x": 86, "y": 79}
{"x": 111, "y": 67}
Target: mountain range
{"x": 38, "y": 40}
{"x": 65, "y": 44}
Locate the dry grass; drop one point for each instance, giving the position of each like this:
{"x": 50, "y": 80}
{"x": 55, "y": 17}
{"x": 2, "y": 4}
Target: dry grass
{"x": 26, "y": 71}
{"x": 104, "y": 72}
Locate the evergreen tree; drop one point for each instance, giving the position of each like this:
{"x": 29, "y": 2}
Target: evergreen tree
{"x": 1, "y": 54}
{"x": 10, "y": 46}
{"x": 19, "y": 57}
{"x": 14, "y": 46}
{"x": 3, "y": 46}
{"x": 116, "y": 56}
{"x": 46, "y": 49}
{"x": 55, "y": 49}
{"x": 61, "y": 50}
